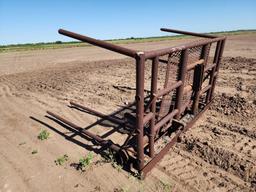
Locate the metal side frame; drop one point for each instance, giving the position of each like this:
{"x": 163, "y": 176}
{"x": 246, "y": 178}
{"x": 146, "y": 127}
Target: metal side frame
{"x": 147, "y": 139}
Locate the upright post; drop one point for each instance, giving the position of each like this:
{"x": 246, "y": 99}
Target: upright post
{"x": 198, "y": 78}
{"x": 181, "y": 77}
{"x": 140, "y": 67}
{"x": 210, "y": 94}
{"x": 215, "y": 60}
{"x": 153, "y": 104}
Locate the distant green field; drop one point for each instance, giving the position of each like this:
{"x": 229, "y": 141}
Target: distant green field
{"x": 59, "y": 44}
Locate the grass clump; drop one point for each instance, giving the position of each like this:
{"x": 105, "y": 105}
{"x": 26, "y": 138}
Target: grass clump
{"x": 109, "y": 157}
{"x": 61, "y": 160}
{"x": 85, "y": 162}
{"x": 43, "y": 135}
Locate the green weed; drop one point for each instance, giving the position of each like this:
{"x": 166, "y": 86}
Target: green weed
{"x": 61, "y": 160}
{"x": 109, "y": 158}
{"x": 85, "y": 162}
{"x": 43, "y": 135}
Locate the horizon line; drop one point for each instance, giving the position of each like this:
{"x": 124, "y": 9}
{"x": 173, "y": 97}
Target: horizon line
{"x": 128, "y": 38}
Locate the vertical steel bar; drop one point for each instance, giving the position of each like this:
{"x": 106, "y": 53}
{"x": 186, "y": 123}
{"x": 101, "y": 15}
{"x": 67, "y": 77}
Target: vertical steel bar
{"x": 181, "y": 77}
{"x": 217, "y": 68}
{"x": 153, "y": 104}
{"x": 198, "y": 73}
{"x": 217, "y": 51}
{"x": 198, "y": 76}
{"x": 215, "y": 60}
{"x": 140, "y": 67}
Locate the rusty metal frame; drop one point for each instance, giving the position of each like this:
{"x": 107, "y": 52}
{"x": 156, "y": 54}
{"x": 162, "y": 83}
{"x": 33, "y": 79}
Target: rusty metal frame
{"x": 147, "y": 136}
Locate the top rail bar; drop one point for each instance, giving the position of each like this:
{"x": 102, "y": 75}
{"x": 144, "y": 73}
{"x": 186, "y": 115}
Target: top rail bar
{"x": 188, "y": 33}
{"x": 160, "y": 52}
{"x": 100, "y": 43}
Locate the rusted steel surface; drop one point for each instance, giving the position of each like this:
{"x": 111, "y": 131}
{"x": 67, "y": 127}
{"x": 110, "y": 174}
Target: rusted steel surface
{"x": 181, "y": 77}
{"x": 154, "y": 73}
{"x": 168, "y": 111}
{"x": 140, "y": 73}
{"x": 218, "y": 60}
{"x": 164, "y": 51}
{"x": 188, "y": 33}
{"x": 198, "y": 78}
{"x": 103, "y": 44}
{"x": 168, "y": 89}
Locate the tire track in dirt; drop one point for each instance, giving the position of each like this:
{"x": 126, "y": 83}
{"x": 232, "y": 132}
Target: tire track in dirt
{"x": 224, "y": 158}
{"x": 233, "y": 140}
{"x": 241, "y": 129}
{"x": 230, "y": 149}
{"x": 198, "y": 175}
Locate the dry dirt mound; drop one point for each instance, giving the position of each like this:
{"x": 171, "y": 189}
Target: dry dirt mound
{"x": 234, "y": 105}
{"x": 238, "y": 63}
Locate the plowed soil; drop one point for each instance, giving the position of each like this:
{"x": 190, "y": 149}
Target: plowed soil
{"x": 217, "y": 154}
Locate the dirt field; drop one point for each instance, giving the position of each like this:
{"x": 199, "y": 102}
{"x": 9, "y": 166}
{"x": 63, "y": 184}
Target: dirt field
{"x": 217, "y": 154}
